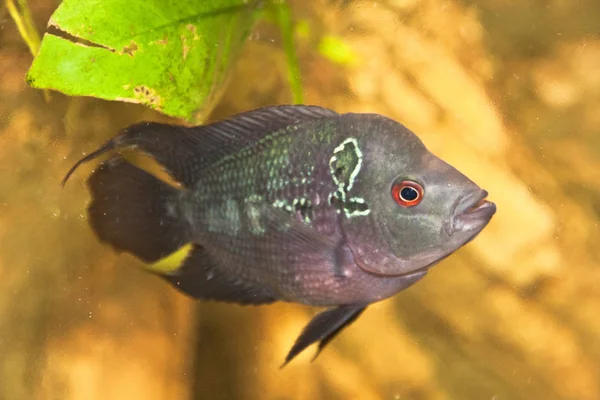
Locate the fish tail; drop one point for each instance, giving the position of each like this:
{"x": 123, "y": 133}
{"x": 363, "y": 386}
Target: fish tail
{"x": 134, "y": 211}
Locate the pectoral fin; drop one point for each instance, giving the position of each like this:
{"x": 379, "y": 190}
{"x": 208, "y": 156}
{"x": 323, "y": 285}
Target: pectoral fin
{"x": 324, "y": 327}
{"x": 285, "y": 230}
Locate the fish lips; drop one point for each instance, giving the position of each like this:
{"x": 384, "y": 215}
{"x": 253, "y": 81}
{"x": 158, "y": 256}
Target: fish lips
{"x": 472, "y": 213}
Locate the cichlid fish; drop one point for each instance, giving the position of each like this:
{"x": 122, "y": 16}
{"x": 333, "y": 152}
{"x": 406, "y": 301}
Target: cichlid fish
{"x": 286, "y": 203}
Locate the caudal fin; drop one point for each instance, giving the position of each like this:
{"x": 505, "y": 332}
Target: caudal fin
{"x": 134, "y": 211}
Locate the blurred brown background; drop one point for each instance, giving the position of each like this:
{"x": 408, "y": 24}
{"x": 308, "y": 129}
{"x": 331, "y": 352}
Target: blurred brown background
{"x": 508, "y": 91}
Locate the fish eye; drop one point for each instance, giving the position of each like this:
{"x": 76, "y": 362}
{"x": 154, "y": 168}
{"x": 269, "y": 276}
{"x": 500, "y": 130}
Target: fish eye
{"x": 407, "y": 193}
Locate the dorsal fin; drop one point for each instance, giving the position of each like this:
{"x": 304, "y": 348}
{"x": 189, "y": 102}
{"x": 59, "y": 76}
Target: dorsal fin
{"x": 233, "y": 134}
{"x": 184, "y": 151}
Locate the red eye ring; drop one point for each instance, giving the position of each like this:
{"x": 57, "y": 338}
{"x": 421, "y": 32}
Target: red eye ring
{"x": 407, "y": 193}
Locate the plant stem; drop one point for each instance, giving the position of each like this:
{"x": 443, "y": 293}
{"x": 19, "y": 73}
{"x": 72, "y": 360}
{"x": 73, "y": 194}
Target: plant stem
{"x": 283, "y": 17}
{"x": 26, "y": 28}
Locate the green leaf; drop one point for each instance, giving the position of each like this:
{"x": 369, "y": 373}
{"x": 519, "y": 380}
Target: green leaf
{"x": 283, "y": 16}
{"x": 338, "y": 51}
{"x": 171, "y": 55}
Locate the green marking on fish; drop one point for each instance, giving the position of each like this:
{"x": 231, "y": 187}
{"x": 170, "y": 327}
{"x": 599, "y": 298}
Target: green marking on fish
{"x": 344, "y": 166}
{"x": 304, "y": 207}
{"x": 347, "y": 160}
{"x": 255, "y": 198}
{"x": 253, "y": 214}
{"x": 279, "y": 203}
{"x": 232, "y": 214}
{"x": 322, "y": 135}
{"x": 356, "y": 206}
{"x": 283, "y": 204}
{"x": 252, "y": 210}
{"x": 300, "y": 205}
{"x": 224, "y": 217}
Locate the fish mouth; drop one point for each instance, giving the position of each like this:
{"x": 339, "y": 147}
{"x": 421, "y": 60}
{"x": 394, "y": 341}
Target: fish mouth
{"x": 472, "y": 214}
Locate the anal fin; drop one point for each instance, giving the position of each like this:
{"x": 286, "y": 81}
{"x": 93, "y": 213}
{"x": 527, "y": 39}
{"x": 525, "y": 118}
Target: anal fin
{"x": 200, "y": 278}
{"x": 324, "y": 327}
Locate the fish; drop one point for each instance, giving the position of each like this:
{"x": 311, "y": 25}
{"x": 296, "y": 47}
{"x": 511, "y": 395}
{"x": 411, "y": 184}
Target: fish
{"x": 292, "y": 203}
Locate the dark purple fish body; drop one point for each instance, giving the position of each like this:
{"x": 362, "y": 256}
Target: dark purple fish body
{"x": 287, "y": 203}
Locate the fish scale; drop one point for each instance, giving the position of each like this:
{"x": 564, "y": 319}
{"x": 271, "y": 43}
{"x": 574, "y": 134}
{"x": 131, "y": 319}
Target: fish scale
{"x": 263, "y": 171}
{"x": 288, "y": 203}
